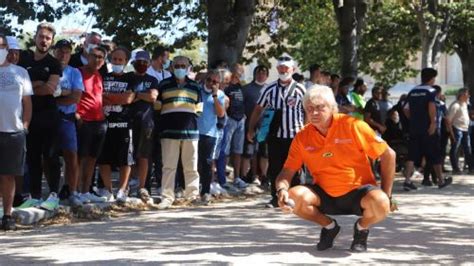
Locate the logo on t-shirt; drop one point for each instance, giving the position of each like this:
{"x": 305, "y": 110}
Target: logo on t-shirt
{"x": 343, "y": 141}
{"x": 327, "y": 154}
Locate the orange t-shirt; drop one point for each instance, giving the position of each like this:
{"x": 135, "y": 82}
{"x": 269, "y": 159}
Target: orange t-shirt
{"x": 338, "y": 162}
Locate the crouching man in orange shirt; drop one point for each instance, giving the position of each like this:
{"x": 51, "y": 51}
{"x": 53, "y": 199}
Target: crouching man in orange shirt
{"x": 336, "y": 149}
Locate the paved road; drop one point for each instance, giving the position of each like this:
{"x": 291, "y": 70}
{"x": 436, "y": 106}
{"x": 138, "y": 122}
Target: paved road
{"x": 432, "y": 226}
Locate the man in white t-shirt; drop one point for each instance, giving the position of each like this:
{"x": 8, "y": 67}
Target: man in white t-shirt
{"x": 15, "y": 116}
{"x": 458, "y": 117}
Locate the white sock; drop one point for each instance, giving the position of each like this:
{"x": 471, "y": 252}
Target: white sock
{"x": 331, "y": 225}
{"x": 359, "y": 227}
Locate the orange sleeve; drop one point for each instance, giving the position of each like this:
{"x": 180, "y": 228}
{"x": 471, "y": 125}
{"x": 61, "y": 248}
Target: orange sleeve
{"x": 294, "y": 161}
{"x": 369, "y": 142}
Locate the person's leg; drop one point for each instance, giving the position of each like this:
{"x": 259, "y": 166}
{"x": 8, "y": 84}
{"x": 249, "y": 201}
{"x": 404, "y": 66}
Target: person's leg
{"x": 205, "y": 147}
{"x": 238, "y": 147}
{"x": 8, "y": 192}
{"x": 124, "y": 176}
{"x": 376, "y": 206}
{"x": 34, "y": 162}
{"x": 189, "y": 157}
{"x": 142, "y": 170}
{"x": 220, "y": 163}
{"x": 71, "y": 169}
{"x": 307, "y": 204}
{"x": 106, "y": 173}
{"x": 170, "y": 149}
{"x": 87, "y": 165}
{"x": 453, "y": 152}
{"x": 466, "y": 145}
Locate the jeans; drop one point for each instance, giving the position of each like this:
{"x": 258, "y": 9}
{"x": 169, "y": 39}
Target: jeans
{"x": 460, "y": 138}
{"x": 205, "y": 149}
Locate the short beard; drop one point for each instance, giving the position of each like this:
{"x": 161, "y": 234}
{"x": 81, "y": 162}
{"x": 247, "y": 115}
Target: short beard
{"x": 40, "y": 51}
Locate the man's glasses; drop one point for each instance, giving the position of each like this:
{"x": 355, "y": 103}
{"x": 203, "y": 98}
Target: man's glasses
{"x": 284, "y": 58}
{"x": 212, "y": 81}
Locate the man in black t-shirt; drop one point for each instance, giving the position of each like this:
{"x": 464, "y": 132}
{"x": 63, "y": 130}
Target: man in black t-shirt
{"x": 145, "y": 88}
{"x": 79, "y": 59}
{"x": 372, "y": 115}
{"x": 44, "y": 71}
{"x": 118, "y": 146}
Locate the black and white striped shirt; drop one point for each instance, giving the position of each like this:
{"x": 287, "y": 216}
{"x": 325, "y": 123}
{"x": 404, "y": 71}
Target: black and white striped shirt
{"x": 275, "y": 96}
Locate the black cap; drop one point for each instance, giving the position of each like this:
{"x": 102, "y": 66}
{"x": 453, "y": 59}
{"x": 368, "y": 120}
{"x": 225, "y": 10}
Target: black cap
{"x": 63, "y": 43}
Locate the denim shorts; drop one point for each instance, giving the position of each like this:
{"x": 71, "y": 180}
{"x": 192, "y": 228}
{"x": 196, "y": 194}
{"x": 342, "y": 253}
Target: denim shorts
{"x": 235, "y": 136}
{"x": 67, "y": 135}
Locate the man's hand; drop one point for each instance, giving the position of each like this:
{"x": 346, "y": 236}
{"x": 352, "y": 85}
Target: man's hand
{"x": 393, "y": 205}
{"x": 250, "y": 135}
{"x": 432, "y": 129}
{"x": 283, "y": 199}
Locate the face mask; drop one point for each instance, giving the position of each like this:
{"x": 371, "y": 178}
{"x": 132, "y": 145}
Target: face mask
{"x": 260, "y": 83}
{"x": 140, "y": 68}
{"x": 118, "y": 68}
{"x": 284, "y": 76}
{"x": 90, "y": 47}
{"x": 3, "y": 55}
{"x": 166, "y": 64}
{"x": 242, "y": 78}
{"x": 180, "y": 73}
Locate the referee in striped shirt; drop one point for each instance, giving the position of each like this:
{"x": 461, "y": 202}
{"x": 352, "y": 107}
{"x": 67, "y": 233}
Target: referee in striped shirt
{"x": 285, "y": 97}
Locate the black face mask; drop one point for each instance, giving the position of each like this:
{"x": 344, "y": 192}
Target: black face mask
{"x": 140, "y": 68}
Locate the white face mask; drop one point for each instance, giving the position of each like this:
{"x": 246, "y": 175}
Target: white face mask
{"x": 259, "y": 83}
{"x": 284, "y": 76}
{"x": 118, "y": 68}
{"x": 90, "y": 47}
{"x": 3, "y": 55}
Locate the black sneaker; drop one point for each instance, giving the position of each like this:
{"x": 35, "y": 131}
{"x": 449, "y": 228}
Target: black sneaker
{"x": 8, "y": 223}
{"x": 447, "y": 181}
{"x": 327, "y": 236}
{"x": 273, "y": 203}
{"x": 359, "y": 244}
{"x": 427, "y": 182}
{"x": 64, "y": 193}
{"x": 409, "y": 186}
{"x": 457, "y": 172}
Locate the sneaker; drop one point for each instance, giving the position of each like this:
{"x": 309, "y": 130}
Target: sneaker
{"x": 273, "y": 203}
{"x": 106, "y": 195}
{"x": 121, "y": 196}
{"x": 427, "y": 183}
{"x": 179, "y": 193}
{"x": 75, "y": 200}
{"x": 64, "y": 193}
{"x": 206, "y": 199}
{"x": 409, "y": 186}
{"x": 359, "y": 244}
{"x": 416, "y": 175}
{"x": 256, "y": 181}
{"x": 51, "y": 203}
{"x": 214, "y": 190}
{"x": 83, "y": 198}
{"x": 164, "y": 204}
{"x": 143, "y": 195}
{"x": 447, "y": 181}
{"x": 239, "y": 183}
{"x": 30, "y": 202}
{"x": 8, "y": 223}
{"x": 93, "y": 198}
{"x": 222, "y": 190}
{"x": 327, "y": 236}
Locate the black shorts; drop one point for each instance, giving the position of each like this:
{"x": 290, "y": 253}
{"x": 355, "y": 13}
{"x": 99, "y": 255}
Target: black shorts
{"x": 12, "y": 153}
{"x": 90, "y": 138}
{"x": 348, "y": 203}
{"x": 420, "y": 146}
{"x": 262, "y": 149}
{"x": 118, "y": 148}
{"x": 143, "y": 139}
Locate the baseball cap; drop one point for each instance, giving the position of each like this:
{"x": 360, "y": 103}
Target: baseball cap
{"x": 142, "y": 55}
{"x": 63, "y": 43}
{"x": 13, "y": 43}
{"x": 285, "y": 60}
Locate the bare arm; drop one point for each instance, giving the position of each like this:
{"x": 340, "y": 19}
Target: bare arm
{"x": 432, "y": 113}
{"x": 119, "y": 98}
{"x": 73, "y": 98}
{"x": 387, "y": 170}
{"x": 27, "y": 111}
{"x": 149, "y": 96}
{"x": 220, "y": 110}
{"x": 256, "y": 114}
{"x": 282, "y": 185}
{"x": 46, "y": 88}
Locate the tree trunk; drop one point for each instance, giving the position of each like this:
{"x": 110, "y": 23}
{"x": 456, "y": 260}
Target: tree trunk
{"x": 467, "y": 61}
{"x": 228, "y": 27}
{"x": 350, "y": 17}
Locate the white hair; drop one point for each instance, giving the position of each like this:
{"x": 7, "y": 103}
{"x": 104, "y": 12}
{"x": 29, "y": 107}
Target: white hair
{"x": 318, "y": 93}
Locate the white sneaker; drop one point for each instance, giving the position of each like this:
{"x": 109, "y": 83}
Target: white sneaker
{"x": 222, "y": 191}
{"x": 107, "y": 195}
{"x": 93, "y": 198}
{"x": 121, "y": 196}
{"x": 214, "y": 190}
{"x": 83, "y": 198}
{"x": 239, "y": 183}
{"x": 164, "y": 204}
{"x": 256, "y": 182}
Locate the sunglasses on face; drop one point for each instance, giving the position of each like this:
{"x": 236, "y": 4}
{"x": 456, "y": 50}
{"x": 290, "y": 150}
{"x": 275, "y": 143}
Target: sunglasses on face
{"x": 284, "y": 58}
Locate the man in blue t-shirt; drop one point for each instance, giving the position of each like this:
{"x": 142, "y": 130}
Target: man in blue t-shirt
{"x": 67, "y": 95}
{"x": 423, "y": 137}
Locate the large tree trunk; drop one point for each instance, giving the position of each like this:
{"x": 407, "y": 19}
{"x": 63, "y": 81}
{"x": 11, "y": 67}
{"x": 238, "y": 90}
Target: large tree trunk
{"x": 466, "y": 54}
{"x": 350, "y": 15}
{"x": 229, "y": 24}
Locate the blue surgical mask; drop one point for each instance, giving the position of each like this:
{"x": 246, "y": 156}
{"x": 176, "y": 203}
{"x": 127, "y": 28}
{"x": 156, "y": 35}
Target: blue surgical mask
{"x": 166, "y": 64}
{"x": 118, "y": 68}
{"x": 180, "y": 73}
